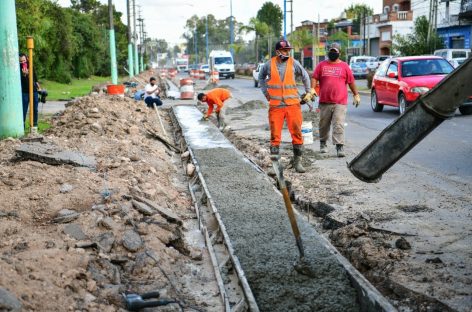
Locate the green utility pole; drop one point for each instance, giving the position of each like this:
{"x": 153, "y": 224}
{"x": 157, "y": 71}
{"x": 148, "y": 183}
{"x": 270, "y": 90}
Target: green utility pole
{"x": 11, "y": 114}
{"x": 136, "y": 56}
{"x": 114, "y": 71}
{"x": 141, "y": 47}
{"x": 130, "y": 43}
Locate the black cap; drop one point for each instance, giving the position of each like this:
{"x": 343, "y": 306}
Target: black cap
{"x": 282, "y": 44}
{"x": 335, "y": 46}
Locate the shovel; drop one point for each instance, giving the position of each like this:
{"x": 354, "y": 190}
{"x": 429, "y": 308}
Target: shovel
{"x": 288, "y": 204}
{"x": 160, "y": 120}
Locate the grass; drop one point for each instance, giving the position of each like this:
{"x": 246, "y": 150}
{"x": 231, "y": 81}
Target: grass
{"x": 77, "y": 88}
{"x": 43, "y": 125}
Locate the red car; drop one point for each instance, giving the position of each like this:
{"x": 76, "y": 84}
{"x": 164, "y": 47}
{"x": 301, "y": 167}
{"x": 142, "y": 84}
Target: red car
{"x": 400, "y": 81}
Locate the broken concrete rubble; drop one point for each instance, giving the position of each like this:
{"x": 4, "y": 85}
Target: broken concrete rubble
{"x": 91, "y": 274}
{"x": 53, "y": 155}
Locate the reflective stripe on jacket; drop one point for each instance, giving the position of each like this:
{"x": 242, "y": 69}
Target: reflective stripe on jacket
{"x": 282, "y": 91}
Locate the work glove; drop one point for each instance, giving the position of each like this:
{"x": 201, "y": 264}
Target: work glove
{"x": 357, "y": 100}
{"x": 204, "y": 118}
{"x": 313, "y": 93}
{"x": 308, "y": 97}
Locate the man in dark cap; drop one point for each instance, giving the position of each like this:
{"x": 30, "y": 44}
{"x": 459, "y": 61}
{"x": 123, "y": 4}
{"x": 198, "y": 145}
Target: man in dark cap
{"x": 277, "y": 80}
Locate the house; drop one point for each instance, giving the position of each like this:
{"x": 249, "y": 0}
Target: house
{"x": 320, "y": 32}
{"x": 451, "y": 19}
{"x": 396, "y": 19}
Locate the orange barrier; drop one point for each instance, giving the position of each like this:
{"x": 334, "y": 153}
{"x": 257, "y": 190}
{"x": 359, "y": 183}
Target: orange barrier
{"x": 116, "y": 90}
{"x": 186, "y": 89}
{"x": 201, "y": 74}
{"x": 215, "y": 76}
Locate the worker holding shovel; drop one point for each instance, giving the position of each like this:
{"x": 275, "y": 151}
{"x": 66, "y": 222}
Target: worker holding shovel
{"x": 216, "y": 97}
{"x": 277, "y": 80}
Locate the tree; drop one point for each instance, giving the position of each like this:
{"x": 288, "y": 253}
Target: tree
{"x": 357, "y": 12}
{"x": 68, "y": 42}
{"x": 272, "y": 15}
{"x": 260, "y": 28}
{"x": 417, "y": 42}
{"x": 85, "y": 6}
{"x": 342, "y": 38}
{"x": 300, "y": 39}
{"x": 218, "y": 34}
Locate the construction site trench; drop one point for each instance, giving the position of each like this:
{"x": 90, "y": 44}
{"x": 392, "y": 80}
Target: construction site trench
{"x": 116, "y": 204}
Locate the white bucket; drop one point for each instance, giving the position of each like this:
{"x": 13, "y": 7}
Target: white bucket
{"x": 307, "y": 132}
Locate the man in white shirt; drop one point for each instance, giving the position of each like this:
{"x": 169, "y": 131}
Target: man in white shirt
{"x": 151, "y": 95}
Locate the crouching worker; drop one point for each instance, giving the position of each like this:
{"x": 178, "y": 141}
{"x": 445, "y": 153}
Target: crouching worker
{"x": 151, "y": 94}
{"x": 216, "y": 97}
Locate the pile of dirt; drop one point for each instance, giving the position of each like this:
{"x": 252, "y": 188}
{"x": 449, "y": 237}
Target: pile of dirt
{"x": 250, "y": 105}
{"x": 75, "y": 238}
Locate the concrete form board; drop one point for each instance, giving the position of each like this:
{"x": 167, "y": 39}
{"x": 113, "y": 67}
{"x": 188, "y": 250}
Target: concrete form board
{"x": 256, "y": 222}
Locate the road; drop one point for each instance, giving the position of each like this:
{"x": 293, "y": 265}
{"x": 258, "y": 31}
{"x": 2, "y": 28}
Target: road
{"x": 446, "y": 150}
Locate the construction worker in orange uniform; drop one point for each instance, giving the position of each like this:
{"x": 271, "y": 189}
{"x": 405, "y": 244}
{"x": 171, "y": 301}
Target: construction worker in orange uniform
{"x": 216, "y": 97}
{"x": 284, "y": 101}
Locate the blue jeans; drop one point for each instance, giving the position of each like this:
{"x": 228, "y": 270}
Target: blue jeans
{"x": 150, "y": 101}
{"x": 26, "y": 107}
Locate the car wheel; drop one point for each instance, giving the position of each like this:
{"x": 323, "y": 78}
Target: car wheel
{"x": 465, "y": 109}
{"x": 374, "y": 103}
{"x": 256, "y": 83}
{"x": 402, "y": 105}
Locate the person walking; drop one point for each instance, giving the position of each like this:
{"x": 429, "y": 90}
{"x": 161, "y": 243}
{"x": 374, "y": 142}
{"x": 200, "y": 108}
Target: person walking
{"x": 216, "y": 97}
{"x": 277, "y": 79}
{"x": 151, "y": 94}
{"x": 332, "y": 75}
{"x": 24, "y": 69}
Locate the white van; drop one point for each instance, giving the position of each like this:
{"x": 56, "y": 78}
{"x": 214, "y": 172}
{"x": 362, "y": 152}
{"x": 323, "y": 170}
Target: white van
{"x": 451, "y": 54}
{"x": 222, "y": 61}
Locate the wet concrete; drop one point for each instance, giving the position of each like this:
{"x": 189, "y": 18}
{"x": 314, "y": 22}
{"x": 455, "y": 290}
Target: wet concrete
{"x": 259, "y": 229}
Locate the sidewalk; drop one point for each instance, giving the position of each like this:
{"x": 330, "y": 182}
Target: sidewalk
{"x": 51, "y": 107}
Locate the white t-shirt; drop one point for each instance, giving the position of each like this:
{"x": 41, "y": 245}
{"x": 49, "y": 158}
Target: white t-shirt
{"x": 151, "y": 91}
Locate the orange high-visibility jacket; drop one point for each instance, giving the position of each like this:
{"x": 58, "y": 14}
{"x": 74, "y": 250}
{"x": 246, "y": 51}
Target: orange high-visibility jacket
{"x": 216, "y": 97}
{"x": 285, "y": 90}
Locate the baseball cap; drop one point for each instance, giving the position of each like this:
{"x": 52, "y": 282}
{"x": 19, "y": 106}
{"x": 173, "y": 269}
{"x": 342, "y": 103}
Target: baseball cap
{"x": 335, "y": 46}
{"x": 282, "y": 44}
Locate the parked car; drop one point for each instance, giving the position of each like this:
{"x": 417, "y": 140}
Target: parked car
{"x": 402, "y": 80}
{"x": 192, "y": 66}
{"x": 255, "y": 74}
{"x": 205, "y": 68}
{"x": 361, "y": 59}
{"x": 359, "y": 70}
{"x": 457, "y": 61}
{"x": 451, "y": 54}
{"x": 374, "y": 64}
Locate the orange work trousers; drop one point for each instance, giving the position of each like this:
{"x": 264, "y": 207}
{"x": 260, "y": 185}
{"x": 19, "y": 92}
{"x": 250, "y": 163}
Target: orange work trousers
{"x": 293, "y": 115}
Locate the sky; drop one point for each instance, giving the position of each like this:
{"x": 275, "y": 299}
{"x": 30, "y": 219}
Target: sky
{"x": 165, "y": 19}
